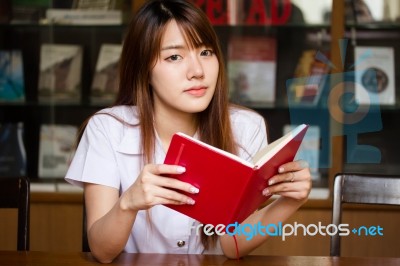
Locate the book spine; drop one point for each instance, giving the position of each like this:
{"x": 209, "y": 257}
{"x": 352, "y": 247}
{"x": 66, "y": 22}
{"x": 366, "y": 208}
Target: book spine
{"x": 12, "y": 150}
{"x": 12, "y": 85}
{"x": 243, "y": 197}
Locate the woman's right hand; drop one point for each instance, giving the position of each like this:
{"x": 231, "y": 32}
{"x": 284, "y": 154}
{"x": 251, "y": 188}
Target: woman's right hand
{"x": 152, "y": 188}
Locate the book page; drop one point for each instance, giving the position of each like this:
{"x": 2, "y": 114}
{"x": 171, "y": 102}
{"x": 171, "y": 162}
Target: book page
{"x": 105, "y": 81}
{"x": 225, "y": 153}
{"x": 271, "y": 149}
{"x": 60, "y": 73}
{"x": 56, "y": 149}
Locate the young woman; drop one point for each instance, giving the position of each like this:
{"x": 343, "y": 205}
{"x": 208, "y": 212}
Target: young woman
{"x": 172, "y": 78}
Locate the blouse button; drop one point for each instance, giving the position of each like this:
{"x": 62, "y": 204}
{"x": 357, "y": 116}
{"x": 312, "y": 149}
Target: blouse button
{"x": 180, "y": 243}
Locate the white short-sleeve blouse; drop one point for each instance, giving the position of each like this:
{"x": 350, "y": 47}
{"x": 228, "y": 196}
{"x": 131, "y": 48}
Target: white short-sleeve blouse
{"x": 109, "y": 154}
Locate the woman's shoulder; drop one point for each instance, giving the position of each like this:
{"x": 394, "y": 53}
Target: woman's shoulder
{"x": 114, "y": 122}
{"x": 117, "y": 124}
{"x": 122, "y": 114}
{"x": 242, "y": 115}
{"x": 249, "y": 130}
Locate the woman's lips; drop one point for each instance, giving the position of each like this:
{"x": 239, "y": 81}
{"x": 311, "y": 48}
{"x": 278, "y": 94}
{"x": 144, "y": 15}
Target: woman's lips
{"x": 198, "y": 92}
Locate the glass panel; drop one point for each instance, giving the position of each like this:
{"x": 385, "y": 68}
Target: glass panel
{"x": 315, "y": 12}
{"x": 373, "y": 51}
{"x": 373, "y": 11}
{"x": 391, "y": 10}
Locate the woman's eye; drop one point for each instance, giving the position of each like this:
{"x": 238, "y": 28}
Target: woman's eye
{"x": 207, "y": 53}
{"x": 174, "y": 57}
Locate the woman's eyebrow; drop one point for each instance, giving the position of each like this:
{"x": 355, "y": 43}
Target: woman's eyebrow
{"x": 174, "y": 46}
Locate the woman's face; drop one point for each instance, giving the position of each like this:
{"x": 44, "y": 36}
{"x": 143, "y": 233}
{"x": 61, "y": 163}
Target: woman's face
{"x": 184, "y": 78}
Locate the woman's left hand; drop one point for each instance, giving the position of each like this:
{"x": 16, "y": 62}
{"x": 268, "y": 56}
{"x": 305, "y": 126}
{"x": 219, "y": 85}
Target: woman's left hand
{"x": 293, "y": 181}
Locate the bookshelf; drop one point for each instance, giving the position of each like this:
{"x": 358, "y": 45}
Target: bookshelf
{"x": 293, "y": 37}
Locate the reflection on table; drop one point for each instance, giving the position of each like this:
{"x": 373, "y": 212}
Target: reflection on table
{"x": 36, "y": 258}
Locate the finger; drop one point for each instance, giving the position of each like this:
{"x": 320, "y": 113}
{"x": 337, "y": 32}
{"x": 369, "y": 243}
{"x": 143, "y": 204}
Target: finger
{"x": 293, "y": 166}
{"x": 162, "y": 169}
{"x": 300, "y": 175}
{"x": 173, "y": 183}
{"x": 167, "y": 196}
{"x": 282, "y": 187}
{"x": 278, "y": 190}
{"x": 286, "y": 177}
{"x": 162, "y": 201}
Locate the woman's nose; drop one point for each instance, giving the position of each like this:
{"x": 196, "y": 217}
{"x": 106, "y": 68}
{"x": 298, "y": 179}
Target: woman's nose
{"x": 195, "y": 69}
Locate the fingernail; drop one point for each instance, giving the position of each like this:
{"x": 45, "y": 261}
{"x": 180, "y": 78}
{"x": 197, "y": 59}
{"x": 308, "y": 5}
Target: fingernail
{"x": 280, "y": 170}
{"x": 194, "y": 190}
{"x": 271, "y": 182}
{"x": 190, "y": 201}
{"x": 181, "y": 169}
{"x": 266, "y": 192}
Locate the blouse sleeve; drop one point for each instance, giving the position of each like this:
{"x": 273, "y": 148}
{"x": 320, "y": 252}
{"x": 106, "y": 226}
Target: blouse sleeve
{"x": 250, "y": 132}
{"x": 94, "y": 160}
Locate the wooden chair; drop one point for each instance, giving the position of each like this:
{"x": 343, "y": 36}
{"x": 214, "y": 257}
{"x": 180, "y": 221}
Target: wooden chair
{"x": 14, "y": 194}
{"x": 85, "y": 242}
{"x": 362, "y": 189}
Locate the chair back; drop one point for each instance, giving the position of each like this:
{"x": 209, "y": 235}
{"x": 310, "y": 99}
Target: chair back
{"x": 85, "y": 241}
{"x": 15, "y": 194}
{"x": 361, "y": 189}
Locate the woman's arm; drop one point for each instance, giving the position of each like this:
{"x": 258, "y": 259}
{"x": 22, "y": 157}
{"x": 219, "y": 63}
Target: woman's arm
{"x": 110, "y": 218}
{"x": 108, "y": 225}
{"x": 293, "y": 184}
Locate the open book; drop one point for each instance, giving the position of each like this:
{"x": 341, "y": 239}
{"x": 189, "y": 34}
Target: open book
{"x": 230, "y": 187}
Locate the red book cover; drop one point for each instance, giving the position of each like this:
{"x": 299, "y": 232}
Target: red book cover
{"x": 230, "y": 187}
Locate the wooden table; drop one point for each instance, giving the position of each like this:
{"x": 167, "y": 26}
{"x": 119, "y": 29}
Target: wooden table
{"x": 37, "y": 258}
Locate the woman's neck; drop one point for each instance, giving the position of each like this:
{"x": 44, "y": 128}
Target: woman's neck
{"x": 166, "y": 125}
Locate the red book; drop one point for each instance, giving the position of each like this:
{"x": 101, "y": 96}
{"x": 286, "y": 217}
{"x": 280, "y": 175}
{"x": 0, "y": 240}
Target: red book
{"x": 230, "y": 187}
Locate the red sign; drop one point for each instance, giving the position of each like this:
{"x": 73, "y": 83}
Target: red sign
{"x": 246, "y": 12}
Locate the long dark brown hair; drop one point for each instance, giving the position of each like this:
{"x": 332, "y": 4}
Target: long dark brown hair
{"x": 139, "y": 55}
{"x": 140, "y": 52}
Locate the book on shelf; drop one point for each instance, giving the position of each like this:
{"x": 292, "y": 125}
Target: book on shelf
{"x": 56, "y": 149}
{"x": 252, "y": 69}
{"x": 60, "y": 73}
{"x": 309, "y": 149}
{"x": 12, "y": 150}
{"x": 230, "y": 187}
{"x": 95, "y": 4}
{"x": 106, "y": 77}
{"x": 28, "y": 11}
{"x": 374, "y": 74}
{"x": 84, "y": 16}
{"x": 310, "y": 77}
{"x": 5, "y": 11}
{"x": 12, "y": 85}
